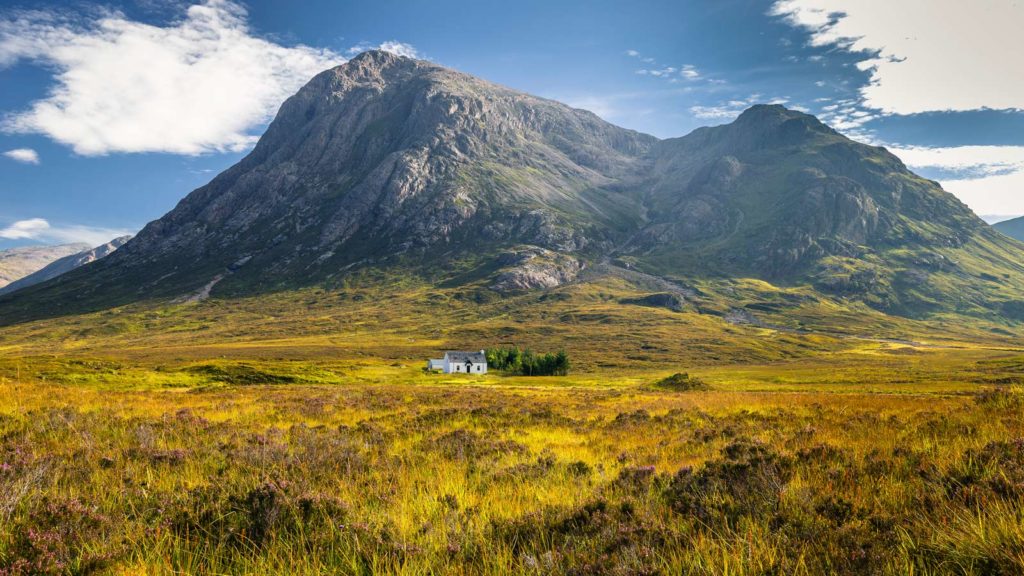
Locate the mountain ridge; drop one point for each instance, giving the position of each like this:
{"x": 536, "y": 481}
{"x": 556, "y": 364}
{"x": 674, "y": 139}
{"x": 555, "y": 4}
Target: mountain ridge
{"x": 1014, "y": 228}
{"x": 65, "y": 265}
{"x": 16, "y": 263}
{"x": 390, "y": 161}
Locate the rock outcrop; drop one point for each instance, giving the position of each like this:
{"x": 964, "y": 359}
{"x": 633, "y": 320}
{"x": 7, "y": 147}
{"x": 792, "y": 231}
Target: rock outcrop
{"x": 532, "y": 267}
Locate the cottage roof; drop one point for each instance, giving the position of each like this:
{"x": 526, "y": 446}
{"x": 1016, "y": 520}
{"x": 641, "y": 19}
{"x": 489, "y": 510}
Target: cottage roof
{"x": 462, "y": 357}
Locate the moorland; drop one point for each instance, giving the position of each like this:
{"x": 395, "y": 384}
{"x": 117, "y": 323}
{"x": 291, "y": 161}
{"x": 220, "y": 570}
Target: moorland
{"x": 298, "y": 433}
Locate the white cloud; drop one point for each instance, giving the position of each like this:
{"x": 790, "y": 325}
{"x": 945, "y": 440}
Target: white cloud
{"x": 924, "y": 55}
{"x": 604, "y": 106}
{"x": 989, "y": 179}
{"x": 727, "y": 111}
{"x": 662, "y": 72}
{"x": 400, "y": 48}
{"x": 968, "y": 160}
{"x": 996, "y": 218}
{"x": 672, "y": 73}
{"x": 847, "y": 117}
{"x": 394, "y": 46}
{"x": 689, "y": 72}
{"x": 686, "y": 71}
{"x": 24, "y": 229}
{"x": 24, "y": 155}
{"x": 614, "y": 107}
{"x": 730, "y": 109}
{"x": 992, "y": 194}
{"x": 200, "y": 84}
{"x": 40, "y": 229}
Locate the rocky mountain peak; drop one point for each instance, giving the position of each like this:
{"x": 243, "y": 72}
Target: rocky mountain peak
{"x": 388, "y": 159}
{"x": 378, "y": 58}
{"x": 776, "y": 125}
{"x": 767, "y": 113}
{"x": 375, "y": 65}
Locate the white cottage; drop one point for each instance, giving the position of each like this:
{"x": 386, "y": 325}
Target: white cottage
{"x": 455, "y": 362}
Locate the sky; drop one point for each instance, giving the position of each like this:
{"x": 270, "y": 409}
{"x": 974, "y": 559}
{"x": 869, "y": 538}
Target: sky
{"x": 112, "y": 112}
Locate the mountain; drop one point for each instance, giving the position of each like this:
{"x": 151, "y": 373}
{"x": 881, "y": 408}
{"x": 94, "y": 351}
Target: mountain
{"x": 17, "y": 263}
{"x": 1013, "y": 228}
{"x": 778, "y": 195}
{"x": 390, "y": 163}
{"x": 65, "y": 265}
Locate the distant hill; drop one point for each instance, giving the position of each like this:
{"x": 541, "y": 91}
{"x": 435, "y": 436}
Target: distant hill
{"x": 16, "y": 263}
{"x": 65, "y": 265}
{"x": 392, "y": 164}
{"x": 1013, "y": 228}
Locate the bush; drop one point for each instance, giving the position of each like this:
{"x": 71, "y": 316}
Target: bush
{"x": 681, "y": 382}
{"x": 594, "y": 539}
{"x": 1000, "y": 398}
{"x": 747, "y": 480}
{"x": 251, "y": 519}
{"x": 240, "y": 374}
{"x": 994, "y": 471}
{"x": 63, "y": 536}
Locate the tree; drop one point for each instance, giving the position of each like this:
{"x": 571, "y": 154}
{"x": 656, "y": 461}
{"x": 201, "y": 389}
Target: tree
{"x": 525, "y": 362}
{"x": 562, "y": 363}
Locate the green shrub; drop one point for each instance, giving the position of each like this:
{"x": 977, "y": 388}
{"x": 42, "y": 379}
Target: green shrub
{"x": 240, "y": 374}
{"x": 526, "y": 363}
{"x": 681, "y": 382}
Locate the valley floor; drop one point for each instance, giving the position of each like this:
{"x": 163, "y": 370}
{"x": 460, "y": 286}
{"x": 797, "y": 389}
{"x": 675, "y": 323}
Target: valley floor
{"x": 299, "y": 434}
{"x": 881, "y": 462}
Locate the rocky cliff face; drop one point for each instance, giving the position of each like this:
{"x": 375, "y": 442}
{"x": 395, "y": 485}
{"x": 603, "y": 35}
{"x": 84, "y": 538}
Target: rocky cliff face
{"x": 392, "y": 161}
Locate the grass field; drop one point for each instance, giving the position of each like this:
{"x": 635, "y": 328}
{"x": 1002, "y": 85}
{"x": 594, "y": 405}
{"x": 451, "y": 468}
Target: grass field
{"x": 298, "y": 434}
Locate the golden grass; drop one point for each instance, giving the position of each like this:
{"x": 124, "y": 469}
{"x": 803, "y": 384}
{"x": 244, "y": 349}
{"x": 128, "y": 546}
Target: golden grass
{"x": 147, "y": 440}
{"x": 422, "y": 474}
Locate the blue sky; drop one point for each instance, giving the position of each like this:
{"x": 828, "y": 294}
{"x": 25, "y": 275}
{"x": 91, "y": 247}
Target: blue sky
{"x": 111, "y": 112}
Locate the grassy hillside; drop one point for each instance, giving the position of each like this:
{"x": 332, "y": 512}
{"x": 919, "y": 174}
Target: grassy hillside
{"x": 605, "y": 320}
